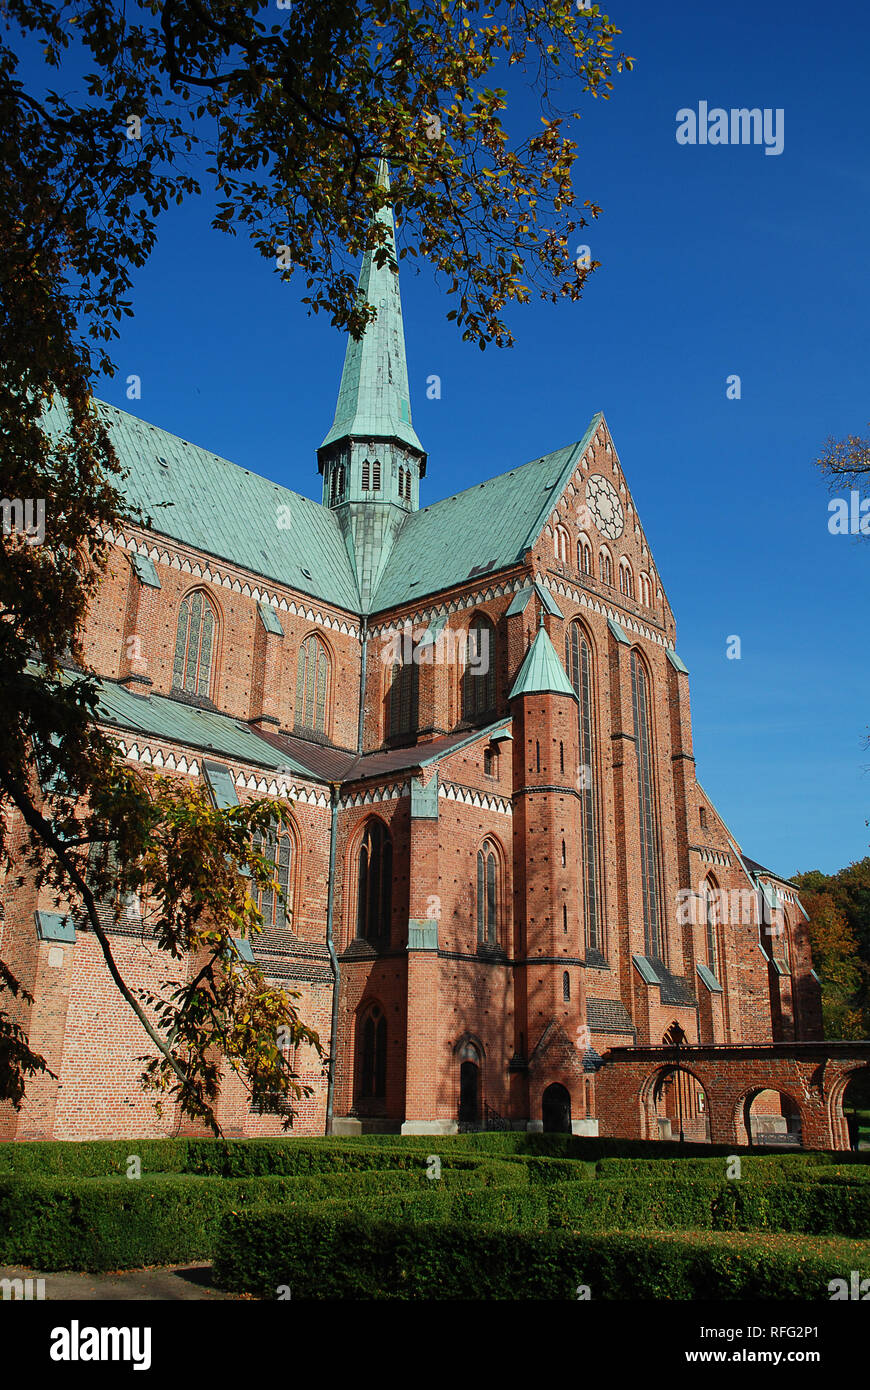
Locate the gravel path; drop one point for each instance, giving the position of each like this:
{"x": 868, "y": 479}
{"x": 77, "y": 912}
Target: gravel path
{"x": 172, "y": 1283}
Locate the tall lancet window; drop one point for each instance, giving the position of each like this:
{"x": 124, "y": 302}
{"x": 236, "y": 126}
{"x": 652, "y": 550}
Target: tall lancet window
{"x": 711, "y": 902}
{"x": 374, "y": 883}
{"x": 404, "y": 698}
{"x": 478, "y": 676}
{"x": 194, "y": 644}
{"x": 487, "y": 894}
{"x": 312, "y": 681}
{"x": 649, "y": 840}
{"x": 578, "y": 660}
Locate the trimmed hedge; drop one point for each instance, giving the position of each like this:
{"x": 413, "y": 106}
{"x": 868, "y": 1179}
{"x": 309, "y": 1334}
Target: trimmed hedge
{"x": 514, "y": 1208}
{"x": 594, "y": 1149}
{"x": 92, "y": 1158}
{"x": 339, "y": 1257}
{"x": 253, "y": 1157}
{"x": 701, "y": 1204}
{"x": 550, "y": 1170}
{"x": 665, "y": 1205}
{"x": 88, "y": 1215}
{"x": 116, "y": 1223}
{"x": 230, "y": 1158}
{"x": 775, "y": 1167}
{"x": 248, "y": 1158}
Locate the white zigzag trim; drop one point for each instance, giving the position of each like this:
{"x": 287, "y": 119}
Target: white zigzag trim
{"x": 394, "y": 791}
{"x": 482, "y": 800}
{"x": 202, "y": 570}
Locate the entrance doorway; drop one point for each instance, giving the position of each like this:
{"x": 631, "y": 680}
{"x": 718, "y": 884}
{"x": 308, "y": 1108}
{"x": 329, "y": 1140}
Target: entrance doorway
{"x": 469, "y": 1093}
{"x": 556, "y": 1108}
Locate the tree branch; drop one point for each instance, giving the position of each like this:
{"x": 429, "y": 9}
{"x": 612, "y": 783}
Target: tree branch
{"x": 46, "y": 833}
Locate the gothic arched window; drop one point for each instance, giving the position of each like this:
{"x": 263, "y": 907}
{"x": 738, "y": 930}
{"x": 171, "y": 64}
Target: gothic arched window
{"x": 487, "y": 894}
{"x": 778, "y": 937}
{"x": 605, "y": 568}
{"x": 644, "y": 591}
{"x": 478, "y": 677}
{"x": 312, "y": 681}
{"x": 407, "y": 485}
{"x": 366, "y": 469}
{"x": 560, "y": 544}
{"x": 277, "y": 848}
{"x": 372, "y": 1053}
{"x": 584, "y": 556}
{"x": 376, "y": 476}
{"x": 626, "y": 579}
{"x": 404, "y": 697}
{"x": 374, "y": 883}
{"x": 578, "y": 662}
{"x": 195, "y": 642}
{"x": 649, "y": 842}
{"x": 711, "y": 903}
{"x": 401, "y": 482}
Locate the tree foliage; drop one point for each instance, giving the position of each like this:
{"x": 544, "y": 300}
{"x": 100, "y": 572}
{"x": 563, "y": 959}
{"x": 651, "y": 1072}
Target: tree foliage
{"x": 290, "y": 110}
{"x": 845, "y": 461}
{"x": 839, "y": 911}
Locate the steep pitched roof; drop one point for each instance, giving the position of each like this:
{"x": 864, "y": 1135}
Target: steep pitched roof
{"x": 163, "y": 717}
{"x": 374, "y": 400}
{"x": 757, "y": 869}
{"x": 336, "y": 765}
{"x": 200, "y": 499}
{"x": 542, "y": 671}
{"x": 480, "y": 531}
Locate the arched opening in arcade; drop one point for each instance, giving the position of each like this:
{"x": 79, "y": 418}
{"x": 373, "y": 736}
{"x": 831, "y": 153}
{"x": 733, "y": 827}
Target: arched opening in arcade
{"x": 556, "y": 1109}
{"x": 770, "y": 1119}
{"x": 850, "y": 1110}
{"x": 676, "y": 1107}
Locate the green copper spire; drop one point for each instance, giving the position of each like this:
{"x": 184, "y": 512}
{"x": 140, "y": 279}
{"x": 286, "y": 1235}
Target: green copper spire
{"x": 542, "y": 671}
{"x": 372, "y": 460}
{"x": 374, "y": 401}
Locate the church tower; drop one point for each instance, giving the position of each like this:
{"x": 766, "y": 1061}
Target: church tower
{"x": 371, "y": 459}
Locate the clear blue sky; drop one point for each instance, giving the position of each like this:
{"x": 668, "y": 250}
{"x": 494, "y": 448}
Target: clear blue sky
{"x": 716, "y": 260}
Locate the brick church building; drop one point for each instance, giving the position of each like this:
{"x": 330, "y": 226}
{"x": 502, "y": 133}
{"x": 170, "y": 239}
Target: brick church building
{"x": 502, "y": 881}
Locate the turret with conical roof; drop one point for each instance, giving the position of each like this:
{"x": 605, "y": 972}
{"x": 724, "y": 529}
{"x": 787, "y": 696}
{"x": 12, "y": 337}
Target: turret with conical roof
{"x": 550, "y": 999}
{"x": 371, "y": 459}
{"x": 542, "y": 671}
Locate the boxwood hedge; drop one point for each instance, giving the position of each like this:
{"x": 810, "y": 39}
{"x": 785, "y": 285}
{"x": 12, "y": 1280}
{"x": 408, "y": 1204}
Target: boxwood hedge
{"x": 116, "y": 1223}
{"x": 323, "y": 1256}
{"x": 664, "y": 1205}
{"x": 230, "y": 1158}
